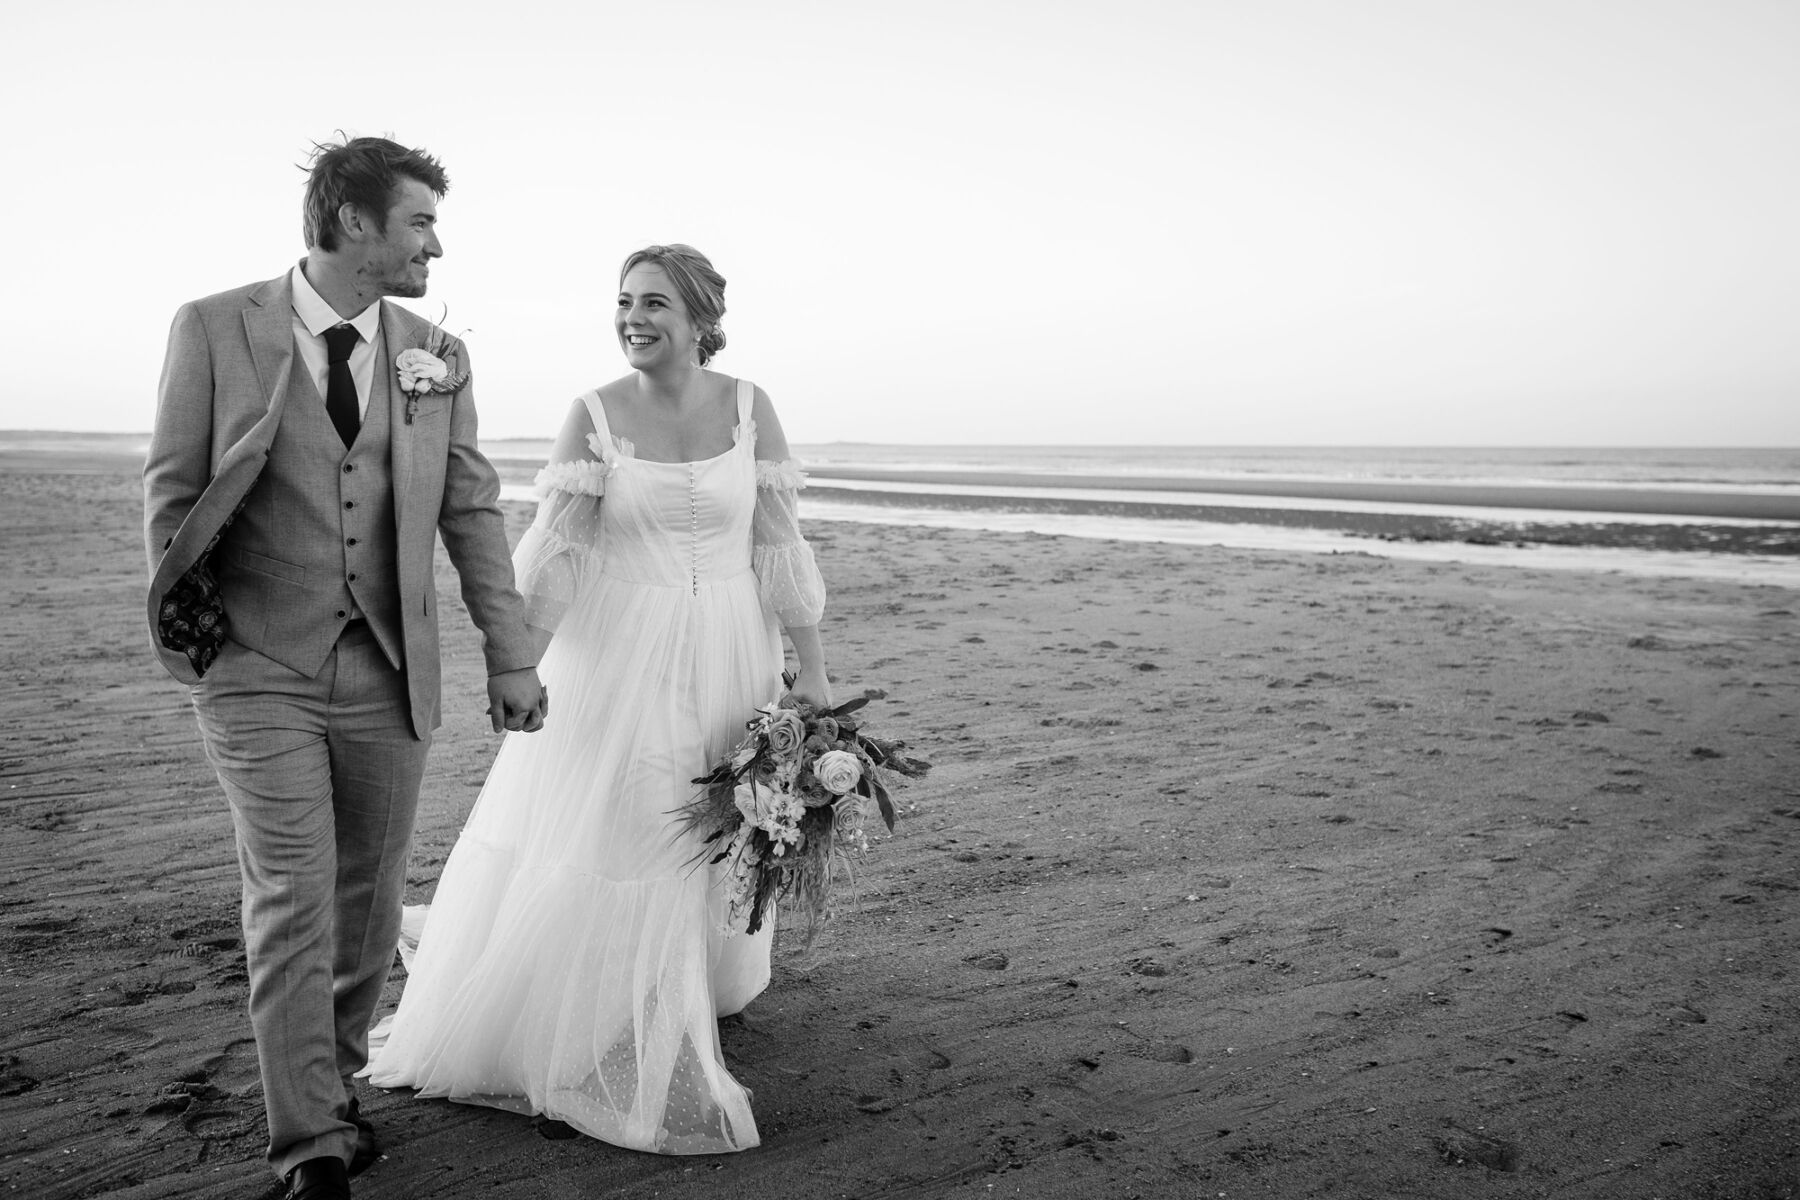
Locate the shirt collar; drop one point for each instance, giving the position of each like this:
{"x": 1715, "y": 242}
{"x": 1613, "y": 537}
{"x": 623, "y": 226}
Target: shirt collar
{"x": 318, "y": 316}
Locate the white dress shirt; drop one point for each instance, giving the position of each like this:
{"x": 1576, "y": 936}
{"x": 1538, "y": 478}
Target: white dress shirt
{"x": 312, "y": 317}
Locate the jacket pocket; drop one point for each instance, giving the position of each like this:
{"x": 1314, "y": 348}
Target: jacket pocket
{"x": 249, "y": 560}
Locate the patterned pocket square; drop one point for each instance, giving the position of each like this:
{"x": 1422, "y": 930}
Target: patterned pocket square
{"x": 191, "y": 618}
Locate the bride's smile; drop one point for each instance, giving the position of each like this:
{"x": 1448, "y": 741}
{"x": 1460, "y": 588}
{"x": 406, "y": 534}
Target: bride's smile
{"x": 652, "y": 323}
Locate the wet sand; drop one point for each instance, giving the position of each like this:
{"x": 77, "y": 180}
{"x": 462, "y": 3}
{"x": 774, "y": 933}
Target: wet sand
{"x": 1675, "y": 502}
{"x": 1240, "y": 873}
{"x": 1529, "y": 529}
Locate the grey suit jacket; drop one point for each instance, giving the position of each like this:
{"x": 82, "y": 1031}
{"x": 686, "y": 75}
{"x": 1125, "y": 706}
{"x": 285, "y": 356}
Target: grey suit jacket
{"x": 224, "y": 384}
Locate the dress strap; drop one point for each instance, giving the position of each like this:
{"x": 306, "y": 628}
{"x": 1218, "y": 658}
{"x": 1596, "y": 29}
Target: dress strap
{"x": 746, "y": 396}
{"x": 601, "y": 443}
{"x": 596, "y": 413}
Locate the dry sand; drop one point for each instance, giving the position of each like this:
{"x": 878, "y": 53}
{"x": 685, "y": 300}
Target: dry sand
{"x": 1240, "y": 874}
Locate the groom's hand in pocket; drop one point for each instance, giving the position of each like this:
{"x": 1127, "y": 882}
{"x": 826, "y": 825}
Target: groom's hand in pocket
{"x": 517, "y": 701}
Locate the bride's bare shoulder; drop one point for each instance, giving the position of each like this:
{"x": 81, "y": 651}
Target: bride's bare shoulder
{"x": 619, "y": 389}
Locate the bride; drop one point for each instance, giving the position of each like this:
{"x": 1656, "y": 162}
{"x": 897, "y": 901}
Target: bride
{"x": 575, "y": 959}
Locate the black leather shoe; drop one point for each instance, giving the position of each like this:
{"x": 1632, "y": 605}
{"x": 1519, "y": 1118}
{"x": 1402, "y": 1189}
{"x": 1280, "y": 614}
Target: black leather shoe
{"x": 367, "y": 1148}
{"x": 319, "y": 1179}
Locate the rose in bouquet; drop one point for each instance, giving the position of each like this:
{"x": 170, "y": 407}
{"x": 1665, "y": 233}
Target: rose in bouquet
{"x": 785, "y": 809}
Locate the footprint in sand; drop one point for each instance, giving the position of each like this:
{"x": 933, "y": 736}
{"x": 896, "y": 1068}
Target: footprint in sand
{"x": 13, "y": 1081}
{"x": 1168, "y": 1052}
{"x": 1460, "y": 1147}
{"x": 202, "y": 1109}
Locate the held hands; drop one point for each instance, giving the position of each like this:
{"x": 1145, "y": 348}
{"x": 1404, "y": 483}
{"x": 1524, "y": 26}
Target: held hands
{"x": 517, "y": 700}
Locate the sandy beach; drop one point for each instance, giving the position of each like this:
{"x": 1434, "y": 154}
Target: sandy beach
{"x": 1240, "y": 874}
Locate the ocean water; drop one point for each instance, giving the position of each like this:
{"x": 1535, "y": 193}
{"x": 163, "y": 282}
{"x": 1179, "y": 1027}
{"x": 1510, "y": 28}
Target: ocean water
{"x": 1771, "y": 470}
{"x": 1723, "y": 469}
{"x": 1583, "y": 539}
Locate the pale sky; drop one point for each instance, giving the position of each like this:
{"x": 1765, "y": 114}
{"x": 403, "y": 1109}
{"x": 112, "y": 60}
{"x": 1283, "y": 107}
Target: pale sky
{"x": 1392, "y": 222}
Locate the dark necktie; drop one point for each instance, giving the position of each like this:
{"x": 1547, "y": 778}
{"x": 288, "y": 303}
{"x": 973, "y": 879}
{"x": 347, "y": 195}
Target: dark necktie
{"x": 340, "y": 386}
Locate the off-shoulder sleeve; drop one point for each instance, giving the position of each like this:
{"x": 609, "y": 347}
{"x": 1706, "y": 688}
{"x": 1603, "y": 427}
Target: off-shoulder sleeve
{"x": 786, "y": 573}
{"x": 559, "y": 551}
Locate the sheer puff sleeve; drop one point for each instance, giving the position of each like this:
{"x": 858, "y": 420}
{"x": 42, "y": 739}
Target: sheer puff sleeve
{"x": 557, "y": 553}
{"x": 786, "y": 573}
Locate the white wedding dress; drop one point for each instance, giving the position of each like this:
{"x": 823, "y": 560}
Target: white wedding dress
{"x": 575, "y": 958}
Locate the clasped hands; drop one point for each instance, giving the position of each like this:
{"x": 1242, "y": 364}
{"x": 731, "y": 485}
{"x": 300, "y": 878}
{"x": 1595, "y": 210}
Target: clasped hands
{"x": 517, "y": 700}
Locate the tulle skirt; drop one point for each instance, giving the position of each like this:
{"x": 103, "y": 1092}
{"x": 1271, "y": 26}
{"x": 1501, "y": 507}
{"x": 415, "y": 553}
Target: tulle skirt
{"x": 575, "y": 959}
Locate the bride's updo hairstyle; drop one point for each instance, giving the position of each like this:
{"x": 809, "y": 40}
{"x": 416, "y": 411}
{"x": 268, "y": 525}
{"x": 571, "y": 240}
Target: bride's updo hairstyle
{"x": 702, "y": 289}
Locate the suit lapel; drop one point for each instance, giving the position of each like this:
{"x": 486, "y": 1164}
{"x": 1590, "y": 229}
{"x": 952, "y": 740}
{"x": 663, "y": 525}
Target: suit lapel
{"x": 396, "y": 337}
{"x": 269, "y": 325}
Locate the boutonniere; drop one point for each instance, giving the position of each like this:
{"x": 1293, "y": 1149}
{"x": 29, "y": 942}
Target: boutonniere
{"x": 433, "y": 368}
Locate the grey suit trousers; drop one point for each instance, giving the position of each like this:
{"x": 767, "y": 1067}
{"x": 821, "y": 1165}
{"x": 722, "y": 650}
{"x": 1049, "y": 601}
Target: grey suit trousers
{"x": 322, "y": 775}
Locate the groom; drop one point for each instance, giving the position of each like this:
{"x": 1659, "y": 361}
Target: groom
{"x": 293, "y": 495}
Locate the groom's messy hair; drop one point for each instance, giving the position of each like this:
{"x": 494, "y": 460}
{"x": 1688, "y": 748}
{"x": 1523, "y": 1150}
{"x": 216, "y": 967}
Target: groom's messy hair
{"x": 364, "y": 171}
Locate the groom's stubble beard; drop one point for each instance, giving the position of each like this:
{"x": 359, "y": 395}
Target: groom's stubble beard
{"x": 410, "y": 285}
{"x": 402, "y": 285}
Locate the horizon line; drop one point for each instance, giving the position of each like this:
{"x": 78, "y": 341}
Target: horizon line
{"x": 145, "y": 434}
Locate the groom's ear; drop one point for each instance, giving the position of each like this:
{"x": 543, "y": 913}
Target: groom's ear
{"x": 353, "y": 222}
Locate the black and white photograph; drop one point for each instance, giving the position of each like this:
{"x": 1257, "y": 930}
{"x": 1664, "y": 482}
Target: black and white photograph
{"x": 793, "y": 601}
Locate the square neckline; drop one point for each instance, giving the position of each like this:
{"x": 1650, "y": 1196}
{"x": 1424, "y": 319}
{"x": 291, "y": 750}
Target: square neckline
{"x": 627, "y": 449}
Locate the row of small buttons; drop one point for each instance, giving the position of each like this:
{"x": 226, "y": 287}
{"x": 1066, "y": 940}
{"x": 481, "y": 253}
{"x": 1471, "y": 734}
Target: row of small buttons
{"x": 350, "y": 576}
{"x": 693, "y": 531}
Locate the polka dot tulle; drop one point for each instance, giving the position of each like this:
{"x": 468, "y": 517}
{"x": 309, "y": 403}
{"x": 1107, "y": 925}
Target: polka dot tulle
{"x": 575, "y": 959}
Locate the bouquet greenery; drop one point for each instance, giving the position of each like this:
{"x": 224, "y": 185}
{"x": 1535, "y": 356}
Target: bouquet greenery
{"x": 785, "y": 808}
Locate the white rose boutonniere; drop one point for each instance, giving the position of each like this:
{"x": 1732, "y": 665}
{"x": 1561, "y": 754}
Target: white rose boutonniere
{"x": 429, "y": 369}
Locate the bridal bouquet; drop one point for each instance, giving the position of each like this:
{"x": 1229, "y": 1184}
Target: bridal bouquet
{"x": 788, "y": 804}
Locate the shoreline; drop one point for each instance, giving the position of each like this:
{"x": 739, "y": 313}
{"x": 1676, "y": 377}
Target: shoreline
{"x": 1558, "y": 523}
{"x": 1598, "y": 498}
{"x": 1775, "y": 540}
{"x": 120, "y": 453}
{"x": 1742, "y": 549}
{"x": 1740, "y": 552}
{"x": 1730, "y": 548}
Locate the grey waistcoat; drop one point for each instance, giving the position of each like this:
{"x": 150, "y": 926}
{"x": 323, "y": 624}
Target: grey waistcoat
{"x": 315, "y": 541}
